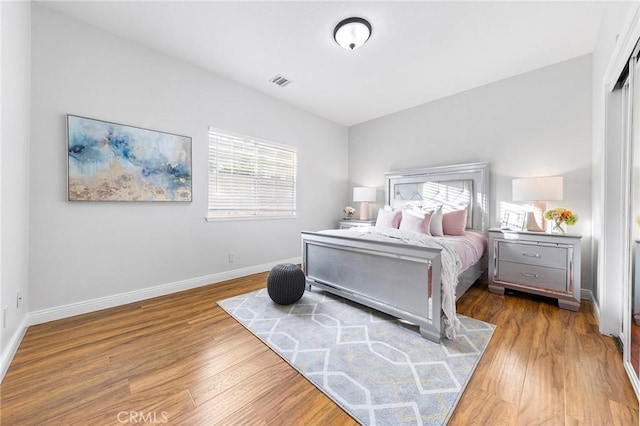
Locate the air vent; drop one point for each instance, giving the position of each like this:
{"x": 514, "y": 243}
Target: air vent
{"x": 280, "y": 80}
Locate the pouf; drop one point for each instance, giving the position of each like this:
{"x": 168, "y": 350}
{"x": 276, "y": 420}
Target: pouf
{"x": 285, "y": 283}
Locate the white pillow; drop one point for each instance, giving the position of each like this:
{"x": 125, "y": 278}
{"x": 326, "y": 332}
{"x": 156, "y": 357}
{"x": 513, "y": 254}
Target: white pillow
{"x": 416, "y": 221}
{"x": 388, "y": 218}
{"x": 436, "y": 222}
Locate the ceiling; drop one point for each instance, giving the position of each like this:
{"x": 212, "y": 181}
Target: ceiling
{"x": 418, "y": 52}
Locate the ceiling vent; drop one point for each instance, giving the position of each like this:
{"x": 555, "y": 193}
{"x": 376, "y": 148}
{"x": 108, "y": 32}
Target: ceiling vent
{"x": 280, "y": 80}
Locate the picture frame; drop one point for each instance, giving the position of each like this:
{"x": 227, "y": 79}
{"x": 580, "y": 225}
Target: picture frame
{"x": 513, "y": 220}
{"x": 116, "y": 162}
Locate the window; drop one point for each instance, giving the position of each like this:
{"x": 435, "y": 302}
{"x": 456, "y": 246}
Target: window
{"x": 250, "y": 177}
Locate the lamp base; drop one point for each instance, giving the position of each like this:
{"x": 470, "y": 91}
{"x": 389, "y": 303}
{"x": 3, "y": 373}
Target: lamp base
{"x": 364, "y": 210}
{"x": 535, "y": 217}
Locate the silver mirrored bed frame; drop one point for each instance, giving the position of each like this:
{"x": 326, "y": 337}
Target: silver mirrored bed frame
{"x": 401, "y": 280}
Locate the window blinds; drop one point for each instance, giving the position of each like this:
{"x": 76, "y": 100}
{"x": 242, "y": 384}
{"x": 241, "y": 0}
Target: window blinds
{"x": 249, "y": 177}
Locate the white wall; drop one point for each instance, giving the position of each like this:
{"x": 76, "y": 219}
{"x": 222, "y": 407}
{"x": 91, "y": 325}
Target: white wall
{"x": 86, "y": 250}
{"x": 14, "y": 166}
{"x": 533, "y": 124}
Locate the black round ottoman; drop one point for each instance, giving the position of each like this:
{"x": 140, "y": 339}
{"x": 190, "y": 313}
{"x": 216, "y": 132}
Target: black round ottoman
{"x": 285, "y": 283}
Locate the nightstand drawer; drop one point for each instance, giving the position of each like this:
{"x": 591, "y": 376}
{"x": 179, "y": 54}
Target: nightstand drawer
{"x": 536, "y": 276}
{"x": 533, "y": 254}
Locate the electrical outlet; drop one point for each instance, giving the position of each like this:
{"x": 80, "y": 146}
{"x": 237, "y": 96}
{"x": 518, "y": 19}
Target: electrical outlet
{"x": 18, "y": 300}
{"x": 232, "y": 257}
{"x": 4, "y": 316}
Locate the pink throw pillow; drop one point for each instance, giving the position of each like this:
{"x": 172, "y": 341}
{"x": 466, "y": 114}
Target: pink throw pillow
{"x": 388, "y": 218}
{"x": 455, "y": 222}
{"x": 415, "y": 221}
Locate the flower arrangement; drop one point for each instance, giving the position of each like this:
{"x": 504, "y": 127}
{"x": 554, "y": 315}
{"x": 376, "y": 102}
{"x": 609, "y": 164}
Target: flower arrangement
{"x": 348, "y": 212}
{"x": 560, "y": 216}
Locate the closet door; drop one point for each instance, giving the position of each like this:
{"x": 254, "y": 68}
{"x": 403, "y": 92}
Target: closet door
{"x": 631, "y": 168}
{"x": 618, "y": 199}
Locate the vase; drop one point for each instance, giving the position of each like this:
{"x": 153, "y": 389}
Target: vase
{"x": 558, "y": 227}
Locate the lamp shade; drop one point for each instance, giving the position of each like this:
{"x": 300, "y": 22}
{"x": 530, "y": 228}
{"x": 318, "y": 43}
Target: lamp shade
{"x": 537, "y": 189}
{"x": 362, "y": 193}
{"x": 352, "y": 33}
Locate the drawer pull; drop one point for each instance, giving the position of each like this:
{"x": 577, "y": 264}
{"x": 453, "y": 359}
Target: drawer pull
{"x": 531, "y": 254}
{"x": 528, "y": 274}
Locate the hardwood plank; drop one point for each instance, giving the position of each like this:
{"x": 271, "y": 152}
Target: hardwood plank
{"x": 162, "y": 353}
{"x": 269, "y": 380}
{"x": 623, "y": 415}
{"x": 278, "y": 407}
{"x": 585, "y": 402}
{"x": 240, "y": 370}
{"x": 477, "y": 407}
{"x": 542, "y": 398}
{"x": 60, "y": 406}
{"x": 504, "y": 373}
{"x": 200, "y": 367}
{"x": 309, "y": 408}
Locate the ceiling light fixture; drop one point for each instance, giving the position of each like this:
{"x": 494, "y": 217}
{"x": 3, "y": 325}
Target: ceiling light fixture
{"x": 352, "y": 33}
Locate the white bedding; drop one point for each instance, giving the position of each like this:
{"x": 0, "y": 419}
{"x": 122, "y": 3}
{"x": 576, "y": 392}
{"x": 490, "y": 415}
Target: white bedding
{"x": 458, "y": 254}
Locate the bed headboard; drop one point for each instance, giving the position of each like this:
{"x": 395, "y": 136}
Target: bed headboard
{"x": 466, "y": 184}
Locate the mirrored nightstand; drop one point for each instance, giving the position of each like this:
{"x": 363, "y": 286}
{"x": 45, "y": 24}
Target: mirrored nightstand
{"x": 352, "y": 223}
{"x": 536, "y": 262}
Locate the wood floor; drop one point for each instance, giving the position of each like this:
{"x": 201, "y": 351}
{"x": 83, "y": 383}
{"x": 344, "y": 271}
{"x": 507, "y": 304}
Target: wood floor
{"x": 180, "y": 359}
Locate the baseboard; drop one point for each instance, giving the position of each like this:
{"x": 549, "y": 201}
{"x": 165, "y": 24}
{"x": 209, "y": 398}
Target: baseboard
{"x": 12, "y": 346}
{"x": 586, "y": 294}
{"x": 79, "y": 308}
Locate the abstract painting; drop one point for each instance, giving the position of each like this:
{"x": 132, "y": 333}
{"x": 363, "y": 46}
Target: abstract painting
{"x": 114, "y": 162}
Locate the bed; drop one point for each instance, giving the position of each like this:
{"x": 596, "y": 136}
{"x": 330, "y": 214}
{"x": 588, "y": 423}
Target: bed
{"x": 387, "y": 271}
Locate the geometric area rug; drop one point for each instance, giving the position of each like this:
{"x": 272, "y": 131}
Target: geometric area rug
{"x": 375, "y": 367}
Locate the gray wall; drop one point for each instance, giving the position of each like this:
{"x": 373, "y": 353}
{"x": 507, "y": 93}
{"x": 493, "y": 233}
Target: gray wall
{"x": 533, "y": 124}
{"x": 83, "y": 251}
{"x": 14, "y": 167}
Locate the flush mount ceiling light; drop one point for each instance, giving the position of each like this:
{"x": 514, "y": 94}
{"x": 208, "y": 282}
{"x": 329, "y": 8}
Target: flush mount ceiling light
{"x": 352, "y": 33}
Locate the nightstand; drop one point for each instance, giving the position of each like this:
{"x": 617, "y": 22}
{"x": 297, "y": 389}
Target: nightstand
{"x": 352, "y": 223}
{"x": 536, "y": 262}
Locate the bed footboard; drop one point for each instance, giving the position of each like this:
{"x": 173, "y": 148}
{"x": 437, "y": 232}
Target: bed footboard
{"x": 400, "y": 280}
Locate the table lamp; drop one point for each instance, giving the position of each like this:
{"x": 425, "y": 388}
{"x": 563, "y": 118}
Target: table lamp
{"x": 537, "y": 190}
{"x": 364, "y": 195}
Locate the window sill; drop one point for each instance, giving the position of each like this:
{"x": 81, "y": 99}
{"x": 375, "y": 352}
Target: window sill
{"x": 213, "y": 219}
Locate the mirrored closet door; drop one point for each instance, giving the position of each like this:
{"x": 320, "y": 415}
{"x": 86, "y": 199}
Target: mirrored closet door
{"x": 631, "y": 169}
